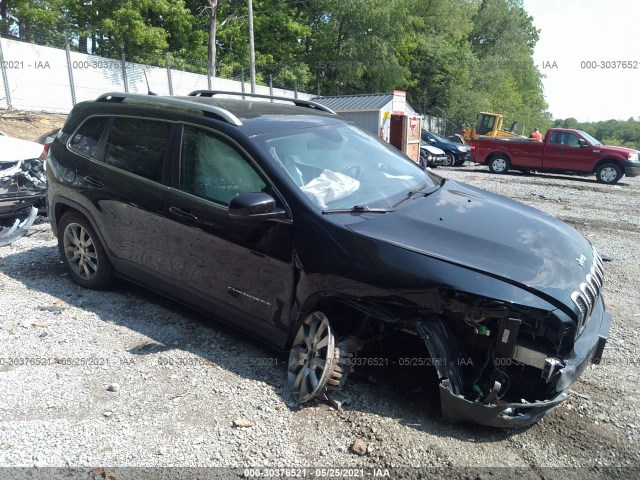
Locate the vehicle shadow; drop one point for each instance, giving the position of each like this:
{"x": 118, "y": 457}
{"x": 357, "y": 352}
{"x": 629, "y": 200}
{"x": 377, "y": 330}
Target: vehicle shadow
{"x": 172, "y": 327}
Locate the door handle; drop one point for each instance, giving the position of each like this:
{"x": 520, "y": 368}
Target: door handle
{"x": 185, "y": 214}
{"x": 93, "y": 181}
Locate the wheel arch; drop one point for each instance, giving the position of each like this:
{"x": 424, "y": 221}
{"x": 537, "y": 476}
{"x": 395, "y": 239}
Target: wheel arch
{"x": 349, "y": 315}
{"x": 606, "y": 160}
{"x": 496, "y": 154}
{"x": 62, "y": 205}
{"x": 437, "y": 338}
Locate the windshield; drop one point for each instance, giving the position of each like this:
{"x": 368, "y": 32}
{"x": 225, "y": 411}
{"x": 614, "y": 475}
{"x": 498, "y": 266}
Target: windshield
{"x": 341, "y": 166}
{"x": 592, "y": 140}
{"x": 438, "y": 137}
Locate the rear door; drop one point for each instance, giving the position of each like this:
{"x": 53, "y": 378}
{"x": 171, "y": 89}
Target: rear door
{"x": 124, "y": 184}
{"x": 240, "y": 270}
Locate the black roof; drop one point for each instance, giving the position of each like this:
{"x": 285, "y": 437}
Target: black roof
{"x": 259, "y": 116}
{"x": 252, "y": 116}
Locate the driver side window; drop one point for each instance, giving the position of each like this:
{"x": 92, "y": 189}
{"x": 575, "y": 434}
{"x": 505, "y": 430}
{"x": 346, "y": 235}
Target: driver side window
{"x": 564, "y": 138}
{"x": 572, "y": 140}
{"x": 213, "y": 169}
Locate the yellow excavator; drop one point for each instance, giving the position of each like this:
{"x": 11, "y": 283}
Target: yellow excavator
{"x": 488, "y": 125}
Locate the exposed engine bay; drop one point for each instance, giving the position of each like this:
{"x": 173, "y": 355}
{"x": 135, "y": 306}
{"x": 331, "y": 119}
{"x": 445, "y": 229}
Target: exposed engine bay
{"x": 23, "y": 186}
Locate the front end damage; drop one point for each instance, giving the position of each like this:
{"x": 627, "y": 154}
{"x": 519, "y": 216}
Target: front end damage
{"x": 496, "y": 363}
{"x": 517, "y": 384}
{"x": 23, "y": 186}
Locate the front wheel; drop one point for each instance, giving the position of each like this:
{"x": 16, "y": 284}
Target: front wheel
{"x": 315, "y": 364}
{"x": 608, "y": 173}
{"x": 424, "y": 159}
{"x": 451, "y": 161}
{"x": 499, "y": 164}
{"x": 82, "y": 252}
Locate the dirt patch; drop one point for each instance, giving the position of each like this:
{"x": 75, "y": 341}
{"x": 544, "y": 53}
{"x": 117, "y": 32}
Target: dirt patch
{"x": 29, "y": 125}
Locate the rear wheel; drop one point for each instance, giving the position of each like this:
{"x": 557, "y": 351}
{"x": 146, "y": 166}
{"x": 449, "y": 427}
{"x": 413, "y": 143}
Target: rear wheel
{"x": 82, "y": 252}
{"x": 499, "y": 164}
{"x": 608, "y": 173}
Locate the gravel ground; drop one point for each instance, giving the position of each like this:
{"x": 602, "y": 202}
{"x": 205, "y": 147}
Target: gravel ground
{"x": 125, "y": 378}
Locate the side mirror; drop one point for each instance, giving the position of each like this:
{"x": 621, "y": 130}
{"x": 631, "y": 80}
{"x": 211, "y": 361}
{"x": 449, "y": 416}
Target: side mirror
{"x": 583, "y": 143}
{"x": 255, "y": 205}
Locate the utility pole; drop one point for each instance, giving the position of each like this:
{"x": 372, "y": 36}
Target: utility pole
{"x": 252, "y": 51}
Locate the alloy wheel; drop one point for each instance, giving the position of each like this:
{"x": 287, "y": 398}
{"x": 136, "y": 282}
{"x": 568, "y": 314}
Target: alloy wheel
{"x": 80, "y": 251}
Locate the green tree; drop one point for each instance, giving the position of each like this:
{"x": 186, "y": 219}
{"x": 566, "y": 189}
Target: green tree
{"x": 624, "y": 133}
{"x": 352, "y": 46}
{"x": 36, "y": 21}
{"x": 503, "y": 39}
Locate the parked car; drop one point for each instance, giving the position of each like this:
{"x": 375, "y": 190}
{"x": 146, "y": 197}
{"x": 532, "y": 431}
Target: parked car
{"x": 23, "y": 186}
{"x": 295, "y": 225}
{"x": 46, "y": 139}
{"x": 432, "y": 156}
{"x": 456, "y": 153}
{"x": 563, "y": 150}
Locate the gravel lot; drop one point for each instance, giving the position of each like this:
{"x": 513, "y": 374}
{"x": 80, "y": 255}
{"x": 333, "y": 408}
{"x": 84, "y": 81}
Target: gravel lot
{"x": 127, "y": 378}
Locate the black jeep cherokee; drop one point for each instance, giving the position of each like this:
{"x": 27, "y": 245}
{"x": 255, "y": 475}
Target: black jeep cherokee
{"x": 296, "y": 226}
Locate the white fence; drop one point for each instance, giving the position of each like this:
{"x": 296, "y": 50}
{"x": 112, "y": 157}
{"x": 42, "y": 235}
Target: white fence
{"x": 435, "y": 124}
{"x": 37, "y": 78}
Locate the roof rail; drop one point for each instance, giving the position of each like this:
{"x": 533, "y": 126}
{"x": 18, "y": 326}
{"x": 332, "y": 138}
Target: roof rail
{"x": 217, "y": 111}
{"x": 296, "y": 101}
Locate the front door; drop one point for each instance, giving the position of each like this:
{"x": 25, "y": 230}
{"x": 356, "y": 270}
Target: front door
{"x": 563, "y": 152}
{"x": 413, "y": 138}
{"x": 396, "y": 132}
{"x": 237, "y": 269}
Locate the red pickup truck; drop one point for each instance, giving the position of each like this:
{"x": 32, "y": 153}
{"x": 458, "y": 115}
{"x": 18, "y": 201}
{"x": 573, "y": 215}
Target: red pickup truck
{"x": 562, "y": 150}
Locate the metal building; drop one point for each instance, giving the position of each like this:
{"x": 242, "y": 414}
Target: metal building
{"x": 387, "y": 115}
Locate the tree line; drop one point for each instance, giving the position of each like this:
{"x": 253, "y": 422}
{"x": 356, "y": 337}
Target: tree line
{"x": 454, "y": 58}
{"x": 622, "y": 133}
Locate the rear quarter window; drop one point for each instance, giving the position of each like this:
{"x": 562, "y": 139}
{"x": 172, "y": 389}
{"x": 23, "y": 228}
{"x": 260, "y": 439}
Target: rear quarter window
{"x": 85, "y": 141}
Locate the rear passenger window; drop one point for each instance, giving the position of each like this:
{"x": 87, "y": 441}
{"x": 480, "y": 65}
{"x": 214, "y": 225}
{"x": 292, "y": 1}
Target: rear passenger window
{"x": 86, "y": 139}
{"x": 138, "y": 146}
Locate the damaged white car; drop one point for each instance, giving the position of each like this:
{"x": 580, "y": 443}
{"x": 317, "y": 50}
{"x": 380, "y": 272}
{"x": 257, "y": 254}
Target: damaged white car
{"x": 23, "y": 186}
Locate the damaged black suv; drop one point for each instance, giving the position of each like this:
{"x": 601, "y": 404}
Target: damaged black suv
{"x": 298, "y": 227}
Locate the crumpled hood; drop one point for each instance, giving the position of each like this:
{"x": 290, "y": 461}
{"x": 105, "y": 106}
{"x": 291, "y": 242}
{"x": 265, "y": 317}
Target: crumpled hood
{"x": 488, "y": 233}
{"x": 13, "y": 149}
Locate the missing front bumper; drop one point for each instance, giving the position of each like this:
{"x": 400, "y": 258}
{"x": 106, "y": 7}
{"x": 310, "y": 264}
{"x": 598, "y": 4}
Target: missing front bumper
{"x": 588, "y": 349}
{"x": 456, "y": 408}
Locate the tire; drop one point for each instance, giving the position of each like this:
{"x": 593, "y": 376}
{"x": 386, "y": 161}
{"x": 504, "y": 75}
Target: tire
{"x": 451, "y": 160}
{"x": 423, "y": 159}
{"x": 315, "y": 362}
{"x": 609, "y": 173}
{"x": 499, "y": 164}
{"x": 82, "y": 252}
{"x": 459, "y": 162}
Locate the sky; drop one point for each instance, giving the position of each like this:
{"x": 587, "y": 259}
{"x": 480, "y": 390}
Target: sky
{"x": 573, "y": 32}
